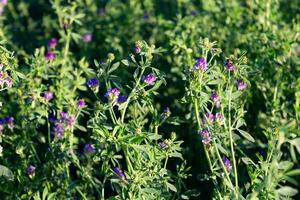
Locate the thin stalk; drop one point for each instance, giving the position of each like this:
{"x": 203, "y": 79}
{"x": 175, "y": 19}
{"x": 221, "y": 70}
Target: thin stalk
{"x": 231, "y": 140}
{"x": 131, "y": 94}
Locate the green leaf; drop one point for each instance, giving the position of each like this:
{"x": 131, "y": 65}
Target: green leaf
{"x": 171, "y": 187}
{"x": 114, "y": 67}
{"x": 246, "y": 135}
{"x": 235, "y": 95}
{"x": 125, "y": 62}
{"x": 294, "y": 172}
{"x": 287, "y": 191}
{"x": 6, "y": 173}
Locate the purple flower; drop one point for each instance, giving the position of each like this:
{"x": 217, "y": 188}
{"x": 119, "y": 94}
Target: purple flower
{"x": 93, "y": 83}
{"x": 227, "y": 164}
{"x": 59, "y": 130}
{"x": 30, "y": 170}
{"x": 89, "y": 149}
{"x": 229, "y": 65}
{"x": 215, "y": 98}
{"x": 63, "y": 116}
{"x": 3, "y": 3}
{"x": 205, "y": 134}
{"x": 150, "y": 79}
{"x": 201, "y": 64}
{"x": 52, "y": 43}
{"x": 163, "y": 145}
{"x": 51, "y": 118}
{"x": 48, "y": 96}
{"x": 167, "y": 112}
{"x": 137, "y": 50}
{"x": 219, "y": 118}
{"x": 208, "y": 118}
{"x": 87, "y": 37}
{"x": 50, "y": 55}
{"x": 122, "y": 99}
{"x": 119, "y": 172}
{"x": 113, "y": 94}
{"x": 80, "y": 103}
{"x": 8, "y": 82}
{"x": 10, "y": 122}
{"x": 70, "y": 121}
{"x": 241, "y": 85}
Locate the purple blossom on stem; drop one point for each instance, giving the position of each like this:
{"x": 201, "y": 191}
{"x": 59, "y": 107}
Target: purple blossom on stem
{"x": 205, "y": 134}
{"x": 70, "y": 121}
{"x": 50, "y": 55}
{"x": 3, "y": 2}
{"x": 215, "y": 98}
{"x": 87, "y": 37}
{"x": 93, "y": 83}
{"x": 51, "y": 118}
{"x": 201, "y": 64}
{"x": 113, "y": 94}
{"x": 10, "y": 122}
{"x": 80, "y": 103}
{"x": 150, "y": 79}
{"x": 163, "y": 145}
{"x": 137, "y": 50}
{"x": 89, "y": 149}
{"x": 59, "y": 130}
{"x": 227, "y": 164}
{"x": 122, "y": 99}
{"x": 48, "y": 96}
{"x": 52, "y": 43}
{"x": 30, "y": 170}
{"x": 229, "y": 65}
{"x": 119, "y": 172}
{"x": 208, "y": 118}
{"x": 219, "y": 118}
{"x": 241, "y": 85}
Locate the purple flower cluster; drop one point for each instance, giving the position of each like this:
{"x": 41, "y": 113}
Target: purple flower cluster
{"x": 48, "y": 96}
{"x": 52, "y": 43}
{"x": 65, "y": 121}
{"x": 7, "y": 121}
{"x": 81, "y": 103}
{"x": 89, "y": 149}
{"x": 216, "y": 99}
{"x": 5, "y": 79}
{"x": 163, "y": 145}
{"x": 122, "y": 99}
{"x": 211, "y": 118}
{"x": 113, "y": 94}
{"x": 205, "y": 135}
{"x": 229, "y": 65}
{"x": 50, "y": 55}
{"x": 30, "y": 170}
{"x": 227, "y": 164}
{"x": 241, "y": 85}
{"x": 201, "y": 64}
{"x": 150, "y": 79}
{"x": 2, "y": 5}
{"x": 93, "y": 83}
{"x": 87, "y": 37}
{"x": 119, "y": 172}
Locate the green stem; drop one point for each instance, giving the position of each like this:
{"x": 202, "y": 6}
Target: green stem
{"x": 131, "y": 94}
{"x": 231, "y": 141}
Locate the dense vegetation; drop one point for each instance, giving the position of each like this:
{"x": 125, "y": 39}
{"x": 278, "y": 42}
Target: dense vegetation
{"x": 149, "y": 99}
